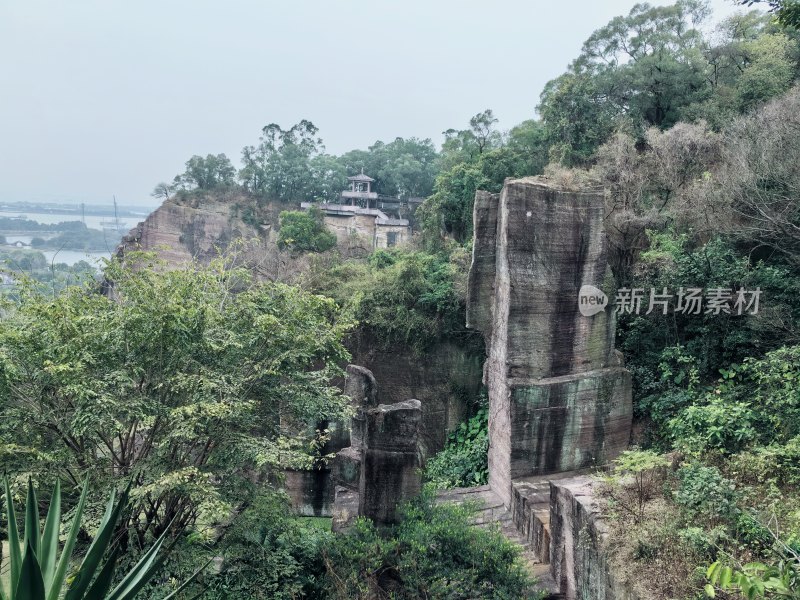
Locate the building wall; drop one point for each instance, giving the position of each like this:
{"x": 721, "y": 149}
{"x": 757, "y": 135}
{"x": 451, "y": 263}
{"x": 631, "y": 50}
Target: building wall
{"x": 345, "y": 226}
{"x": 402, "y": 235}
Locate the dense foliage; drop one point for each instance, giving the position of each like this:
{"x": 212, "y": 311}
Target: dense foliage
{"x": 433, "y": 553}
{"x": 407, "y": 297}
{"x": 196, "y": 383}
{"x": 464, "y": 460}
{"x": 304, "y": 231}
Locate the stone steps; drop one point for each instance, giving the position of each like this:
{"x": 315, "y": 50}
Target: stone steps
{"x": 492, "y": 513}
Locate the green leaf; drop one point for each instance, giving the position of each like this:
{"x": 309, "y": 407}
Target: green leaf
{"x": 31, "y": 584}
{"x": 50, "y": 536}
{"x": 103, "y": 581}
{"x": 69, "y": 544}
{"x": 32, "y": 519}
{"x": 725, "y": 577}
{"x": 709, "y": 589}
{"x": 141, "y": 573}
{"x": 15, "y": 557}
{"x": 98, "y": 547}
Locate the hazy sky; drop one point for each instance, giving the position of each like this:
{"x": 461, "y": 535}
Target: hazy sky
{"x": 103, "y": 97}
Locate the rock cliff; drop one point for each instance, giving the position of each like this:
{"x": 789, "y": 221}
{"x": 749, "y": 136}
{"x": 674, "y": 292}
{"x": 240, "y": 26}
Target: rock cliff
{"x": 558, "y": 398}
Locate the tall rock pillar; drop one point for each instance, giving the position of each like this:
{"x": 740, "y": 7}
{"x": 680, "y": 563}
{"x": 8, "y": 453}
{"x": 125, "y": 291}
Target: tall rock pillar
{"x": 380, "y": 468}
{"x": 559, "y": 398}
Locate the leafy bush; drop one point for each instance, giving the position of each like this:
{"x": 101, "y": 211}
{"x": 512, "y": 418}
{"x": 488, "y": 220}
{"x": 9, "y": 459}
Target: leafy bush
{"x": 704, "y": 493}
{"x": 433, "y": 553}
{"x": 756, "y": 402}
{"x": 305, "y": 231}
{"x": 778, "y": 463}
{"x": 464, "y": 460}
{"x": 401, "y": 296}
{"x": 270, "y": 554}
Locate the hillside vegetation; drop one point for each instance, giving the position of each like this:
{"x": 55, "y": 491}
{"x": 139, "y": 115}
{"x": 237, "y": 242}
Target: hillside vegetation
{"x": 199, "y": 385}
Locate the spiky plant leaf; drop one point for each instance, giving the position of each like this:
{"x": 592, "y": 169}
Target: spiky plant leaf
{"x": 61, "y": 570}
{"x": 103, "y": 581}
{"x": 15, "y": 554}
{"x": 83, "y": 578}
{"x": 32, "y": 519}
{"x": 31, "y": 584}
{"x": 141, "y": 573}
{"x": 49, "y": 550}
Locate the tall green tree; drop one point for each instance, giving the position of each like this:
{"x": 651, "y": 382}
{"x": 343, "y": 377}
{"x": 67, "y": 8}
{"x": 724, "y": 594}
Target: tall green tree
{"x": 643, "y": 67}
{"x": 209, "y": 173}
{"x": 195, "y": 383}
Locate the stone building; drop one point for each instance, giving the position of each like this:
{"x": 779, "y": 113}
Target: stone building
{"x": 361, "y": 212}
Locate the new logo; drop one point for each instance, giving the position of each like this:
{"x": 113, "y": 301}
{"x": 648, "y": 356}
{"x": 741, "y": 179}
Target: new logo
{"x": 591, "y": 300}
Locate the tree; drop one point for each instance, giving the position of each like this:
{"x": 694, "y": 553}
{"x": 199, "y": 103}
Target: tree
{"x": 209, "y": 173}
{"x": 787, "y": 12}
{"x": 305, "y": 231}
{"x": 466, "y": 145}
{"x": 195, "y": 383}
{"x": 644, "y": 67}
{"x": 482, "y": 127}
{"x": 163, "y": 191}
{"x": 449, "y": 209}
{"x": 759, "y": 180}
{"x": 280, "y": 167}
{"x": 402, "y": 167}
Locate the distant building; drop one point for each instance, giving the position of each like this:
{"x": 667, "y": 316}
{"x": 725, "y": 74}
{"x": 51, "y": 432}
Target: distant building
{"x": 359, "y": 213}
{"x": 360, "y": 192}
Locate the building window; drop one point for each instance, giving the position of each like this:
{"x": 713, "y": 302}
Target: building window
{"x": 391, "y": 238}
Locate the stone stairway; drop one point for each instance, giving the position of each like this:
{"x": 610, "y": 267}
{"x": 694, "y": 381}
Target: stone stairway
{"x": 492, "y": 513}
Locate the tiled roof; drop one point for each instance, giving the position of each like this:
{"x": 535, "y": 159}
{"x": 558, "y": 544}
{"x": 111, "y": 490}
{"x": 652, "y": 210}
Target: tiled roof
{"x": 360, "y": 177}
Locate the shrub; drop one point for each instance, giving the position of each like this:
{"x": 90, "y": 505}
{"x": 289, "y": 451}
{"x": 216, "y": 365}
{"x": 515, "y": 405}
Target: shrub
{"x": 635, "y": 480}
{"x": 401, "y": 297}
{"x": 464, "y": 460}
{"x": 779, "y": 463}
{"x": 433, "y": 553}
{"x": 304, "y": 231}
{"x": 270, "y": 554}
{"x": 705, "y": 494}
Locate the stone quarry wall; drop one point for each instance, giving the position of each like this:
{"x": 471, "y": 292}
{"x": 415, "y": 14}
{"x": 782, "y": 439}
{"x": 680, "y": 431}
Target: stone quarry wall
{"x": 558, "y": 398}
{"x": 445, "y": 381}
{"x": 380, "y": 468}
{"x": 578, "y": 554}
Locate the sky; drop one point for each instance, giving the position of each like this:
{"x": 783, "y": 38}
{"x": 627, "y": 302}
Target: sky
{"x": 102, "y": 98}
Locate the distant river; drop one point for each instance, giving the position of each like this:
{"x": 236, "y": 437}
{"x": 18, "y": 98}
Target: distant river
{"x": 69, "y": 257}
{"x": 92, "y": 221}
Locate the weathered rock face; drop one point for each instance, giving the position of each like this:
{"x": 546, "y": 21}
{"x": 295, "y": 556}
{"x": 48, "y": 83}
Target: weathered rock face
{"x": 558, "y": 399}
{"x": 380, "y": 469}
{"x": 445, "y": 381}
{"x": 201, "y": 226}
{"x": 578, "y": 554}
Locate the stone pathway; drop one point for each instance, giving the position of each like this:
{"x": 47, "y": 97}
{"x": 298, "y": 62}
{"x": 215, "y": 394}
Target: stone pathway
{"x": 491, "y": 512}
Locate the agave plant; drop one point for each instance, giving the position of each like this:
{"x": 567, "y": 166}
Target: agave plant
{"x": 38, "y": 572}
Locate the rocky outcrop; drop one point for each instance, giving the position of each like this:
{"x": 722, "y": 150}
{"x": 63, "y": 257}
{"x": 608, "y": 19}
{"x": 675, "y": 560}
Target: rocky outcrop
{"x": 199, "y": 227}
{"x": 558, "y": 398}
{"x": 578, "y": 553}
{"x": 445, "y": 381}
{"x": 380, "y": 468}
